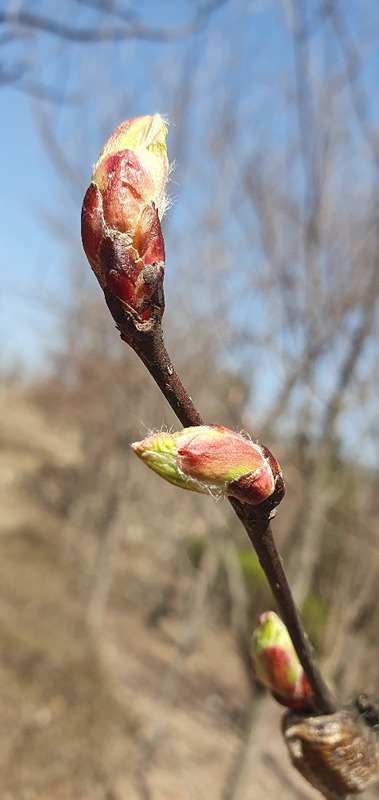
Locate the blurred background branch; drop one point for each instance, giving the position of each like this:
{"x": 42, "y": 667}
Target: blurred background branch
{"x": 273, "y": 250}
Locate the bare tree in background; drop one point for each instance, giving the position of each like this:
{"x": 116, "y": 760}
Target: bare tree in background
{"x": 25, "y": 29}
{"x": 277, "y": 252}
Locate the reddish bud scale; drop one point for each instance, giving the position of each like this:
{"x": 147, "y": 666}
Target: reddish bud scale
{"x": 121, "y": 229}
{"x": 294, "y": 695}
{"x": 276, "y": 664}
{"x": 125, "y": 187}
{"x": 212, "y": 458}
{"x": 269, "y": 479}
{"x": 119, "y": 264}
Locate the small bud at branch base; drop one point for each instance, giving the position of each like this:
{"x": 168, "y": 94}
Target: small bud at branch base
{"x": 276, "y": 664}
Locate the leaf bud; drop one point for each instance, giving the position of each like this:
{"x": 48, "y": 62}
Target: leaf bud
{"x": 213, "y": 459}
{"x": 276, "y": 664}
{"x": 121, "y": 220}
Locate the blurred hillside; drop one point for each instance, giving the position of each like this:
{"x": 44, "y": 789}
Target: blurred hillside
{"x": 127, "y": 605}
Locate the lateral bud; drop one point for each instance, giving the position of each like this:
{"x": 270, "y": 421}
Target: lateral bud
{"x": 276, "y": 664}
{"x": 213, "y": 459}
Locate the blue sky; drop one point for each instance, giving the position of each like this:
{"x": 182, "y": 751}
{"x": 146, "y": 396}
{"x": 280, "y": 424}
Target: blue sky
{"x": 32, "y": 260}
{"x": 233, "y": 81}
{"x": 35, "y": 258}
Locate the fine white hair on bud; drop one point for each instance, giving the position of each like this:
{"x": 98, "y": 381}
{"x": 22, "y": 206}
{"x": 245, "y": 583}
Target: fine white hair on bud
{"x": 216, "y": 460}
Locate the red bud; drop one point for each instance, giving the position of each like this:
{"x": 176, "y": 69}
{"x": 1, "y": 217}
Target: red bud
{"x": 121, "y": 228}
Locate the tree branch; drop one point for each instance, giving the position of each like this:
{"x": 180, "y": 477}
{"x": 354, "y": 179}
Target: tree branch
{"x": 152, "y": 352}
{"x": 133, "y": 28}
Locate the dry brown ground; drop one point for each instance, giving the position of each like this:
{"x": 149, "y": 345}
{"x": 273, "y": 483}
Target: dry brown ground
{"x": 128, "y": 713}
